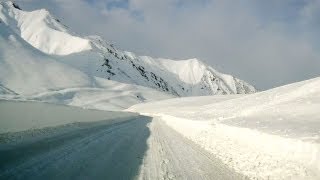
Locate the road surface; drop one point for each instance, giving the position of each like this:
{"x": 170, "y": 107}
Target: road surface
{"x": 140, "y": 148}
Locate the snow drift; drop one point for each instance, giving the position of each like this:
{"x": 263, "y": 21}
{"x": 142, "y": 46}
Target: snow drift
{"x": 268, "y": 135}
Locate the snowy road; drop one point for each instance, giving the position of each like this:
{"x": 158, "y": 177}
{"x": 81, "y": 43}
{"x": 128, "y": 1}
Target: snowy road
{"x": 171, "y": 156}
{"x": 140, "y": 148}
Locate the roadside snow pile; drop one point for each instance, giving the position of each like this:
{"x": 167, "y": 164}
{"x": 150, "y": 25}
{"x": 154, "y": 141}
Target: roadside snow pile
{"x": 36, "y": 115}
{"x": 269, "y": 135}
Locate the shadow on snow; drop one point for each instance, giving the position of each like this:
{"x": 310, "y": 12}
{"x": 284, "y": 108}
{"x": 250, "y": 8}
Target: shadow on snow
{"x": 80, "y": 151}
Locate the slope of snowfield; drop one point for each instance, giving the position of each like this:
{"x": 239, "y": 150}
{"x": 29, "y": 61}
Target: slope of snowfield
{"x": 193, "y": 71}
{"x": 42, "y": 31}
{"x": 189, "y": 71}
{"x": 108, "y": 95}
{"x": 25, "y": 70}
{"x": 269, "y": 135}
{"x": 196, "y": 78}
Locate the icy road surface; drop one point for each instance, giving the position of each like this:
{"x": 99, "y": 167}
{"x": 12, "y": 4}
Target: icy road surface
{"x": 140, "y": 148}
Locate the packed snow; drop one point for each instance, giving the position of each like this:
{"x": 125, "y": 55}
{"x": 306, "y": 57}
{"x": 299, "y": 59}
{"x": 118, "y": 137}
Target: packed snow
{"x": 268, "y": 135}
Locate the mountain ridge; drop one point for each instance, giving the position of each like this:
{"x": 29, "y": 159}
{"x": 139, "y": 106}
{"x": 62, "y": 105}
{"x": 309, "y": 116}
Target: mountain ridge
{"x": 98, "y": 58}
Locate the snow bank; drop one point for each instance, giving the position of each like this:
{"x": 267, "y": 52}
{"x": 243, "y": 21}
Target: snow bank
{"x": 21, "y": 116}
{"x": 251, "y": 152}
{"x": 268, "y": 135}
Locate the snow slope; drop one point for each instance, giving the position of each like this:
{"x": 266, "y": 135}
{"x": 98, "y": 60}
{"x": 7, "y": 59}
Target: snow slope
{"x": 268, "y": 135}
{"x": 108, "y": 95}
{"x": 196, "y": 73}
{"x": 42, "y": 30}
{"x": 25, "y": 70}
{"x": 189, "y": 71}
{"x": 96, "y": 57}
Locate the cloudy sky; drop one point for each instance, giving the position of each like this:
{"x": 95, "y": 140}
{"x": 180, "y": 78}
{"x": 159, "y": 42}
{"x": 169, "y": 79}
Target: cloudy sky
{"x": 267, "y": 43}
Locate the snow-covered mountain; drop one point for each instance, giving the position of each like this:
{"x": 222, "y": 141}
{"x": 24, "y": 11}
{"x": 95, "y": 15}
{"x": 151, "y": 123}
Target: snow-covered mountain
{"x": 97, "y": 58}
{"x": 30, "y": 74}
{"x": 26, "y": 73}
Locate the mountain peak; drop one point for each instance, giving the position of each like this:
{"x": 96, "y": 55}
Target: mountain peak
{"x": 42, "y": 30}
